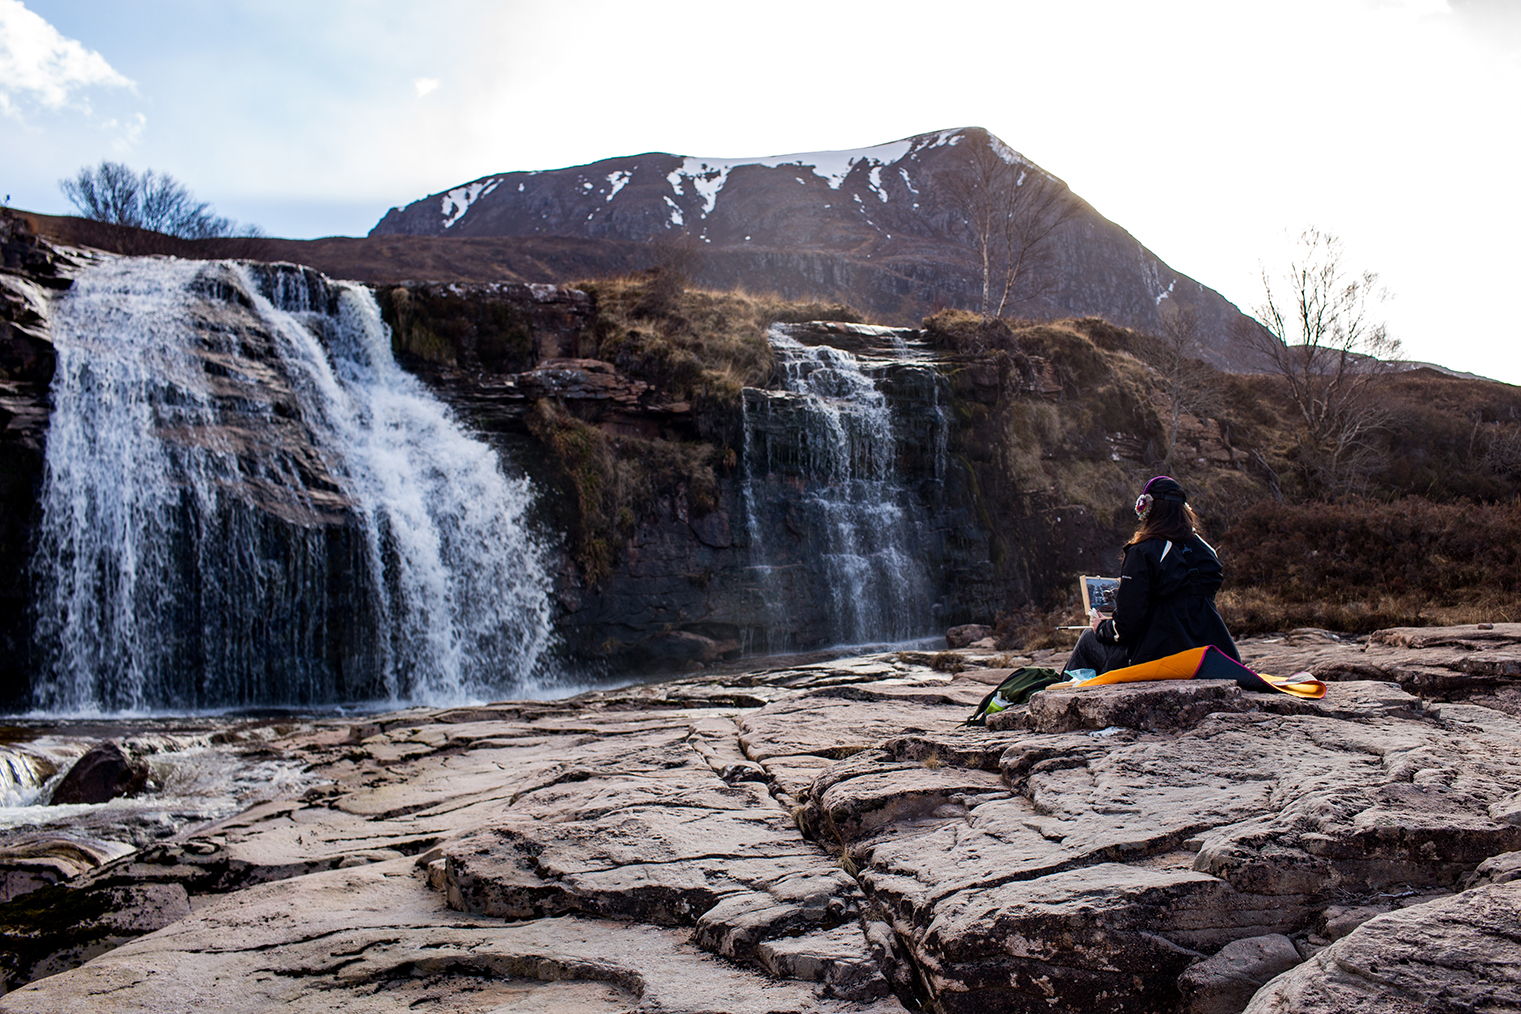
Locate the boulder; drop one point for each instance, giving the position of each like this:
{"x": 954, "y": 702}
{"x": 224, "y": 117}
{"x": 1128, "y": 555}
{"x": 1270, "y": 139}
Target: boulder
{"x": 964, "y": 635}
{"x": 1455, "y": 954}
{"x": 1225, "y": 982}
{"x": 102, "y": 774}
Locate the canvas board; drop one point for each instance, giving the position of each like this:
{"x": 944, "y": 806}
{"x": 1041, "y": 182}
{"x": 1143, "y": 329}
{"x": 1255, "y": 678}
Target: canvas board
{"x": 1098, "y": 593}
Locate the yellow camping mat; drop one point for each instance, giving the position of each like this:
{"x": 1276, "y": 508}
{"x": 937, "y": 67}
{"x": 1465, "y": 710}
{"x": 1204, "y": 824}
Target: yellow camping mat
{"x": 1209, "y": 662}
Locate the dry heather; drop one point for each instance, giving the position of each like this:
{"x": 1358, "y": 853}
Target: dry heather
{"x": 692, "y": 344}
{"x": 1362, "y": 565}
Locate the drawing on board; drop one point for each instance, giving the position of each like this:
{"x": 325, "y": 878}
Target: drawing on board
{"x": 1098, "y": 593}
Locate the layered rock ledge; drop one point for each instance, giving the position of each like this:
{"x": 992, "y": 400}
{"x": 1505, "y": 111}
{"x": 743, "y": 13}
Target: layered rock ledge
{"x": 827, "y": 837}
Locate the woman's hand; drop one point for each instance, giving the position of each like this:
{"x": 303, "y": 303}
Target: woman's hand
{"x": 1094, "y": 619}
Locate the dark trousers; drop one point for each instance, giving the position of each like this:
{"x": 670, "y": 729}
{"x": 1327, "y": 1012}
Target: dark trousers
{"x": 1091, "y": 653}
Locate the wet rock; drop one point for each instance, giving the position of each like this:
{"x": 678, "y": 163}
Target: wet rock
{"x": 499, "y": 328}
{"x": 712, "y": 529}
{"x": 680, "y": 646}
{"x": 102, "y": 774}
{"x": 55, "y": 929}
{"x": 580, "y": 380}
{"x": 35, "y": 861}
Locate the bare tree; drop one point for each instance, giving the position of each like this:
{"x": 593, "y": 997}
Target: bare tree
{"x": 1184, "y": 378}
{"x": 1012, "y": 210}
{"x": 1319, "y": 333}
{"x": 115, "y": 194}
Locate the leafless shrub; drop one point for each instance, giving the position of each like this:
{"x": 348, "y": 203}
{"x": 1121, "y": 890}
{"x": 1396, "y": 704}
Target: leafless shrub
{"x": 1012, "y": 210}
{"x": 1317, "y": 330}
{"x": 119, "y": 196}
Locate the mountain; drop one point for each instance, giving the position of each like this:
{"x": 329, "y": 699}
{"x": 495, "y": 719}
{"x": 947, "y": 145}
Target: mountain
{"x": 884, "y": 228}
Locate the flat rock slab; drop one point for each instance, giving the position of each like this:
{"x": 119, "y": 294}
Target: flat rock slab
{"x": 1209, "y": 815}
{"x": 829, "y": 837}
{"x": 376, "y": 939}
{"x": 837, "y": 722}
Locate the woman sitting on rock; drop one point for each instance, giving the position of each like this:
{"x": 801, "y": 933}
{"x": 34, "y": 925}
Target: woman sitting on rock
{"x": 1166, "y": 600}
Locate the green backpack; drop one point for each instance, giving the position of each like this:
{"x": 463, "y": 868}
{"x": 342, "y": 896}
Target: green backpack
{"x": 1021, "y": 683}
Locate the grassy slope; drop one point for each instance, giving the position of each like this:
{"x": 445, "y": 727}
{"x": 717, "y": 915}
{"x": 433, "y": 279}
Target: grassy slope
{"x": 1434, "y": 539}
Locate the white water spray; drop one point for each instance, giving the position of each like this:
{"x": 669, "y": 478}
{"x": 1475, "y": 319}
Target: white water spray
{"x": 866, "y": 529}
{"x": 248, "y": 503}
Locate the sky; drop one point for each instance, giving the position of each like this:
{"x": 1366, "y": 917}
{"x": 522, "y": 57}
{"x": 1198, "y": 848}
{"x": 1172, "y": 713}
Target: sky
{"x": 1214, "y": 132}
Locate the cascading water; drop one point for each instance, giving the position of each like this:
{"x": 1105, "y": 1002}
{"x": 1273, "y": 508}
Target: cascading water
{"x": 247, "y": 503}
{"x": 834, "y": 527}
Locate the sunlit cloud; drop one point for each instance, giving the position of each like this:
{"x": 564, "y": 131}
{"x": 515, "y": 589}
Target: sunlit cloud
{"x": 39, "y": 66}
{"x": 424, "y": 85}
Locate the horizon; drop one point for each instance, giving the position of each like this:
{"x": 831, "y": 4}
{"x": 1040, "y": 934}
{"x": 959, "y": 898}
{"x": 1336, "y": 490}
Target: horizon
{"x": 332, "y": 116}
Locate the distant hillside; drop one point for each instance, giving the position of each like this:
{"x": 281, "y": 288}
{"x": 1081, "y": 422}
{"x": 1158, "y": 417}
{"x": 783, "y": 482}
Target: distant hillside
{"x": 878, "y": 227}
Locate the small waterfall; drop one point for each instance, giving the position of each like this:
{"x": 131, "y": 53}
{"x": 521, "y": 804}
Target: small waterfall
{"x": 837, "y": 535}
{"x": 247, "y": 503}
{"x": 23, "y": 774}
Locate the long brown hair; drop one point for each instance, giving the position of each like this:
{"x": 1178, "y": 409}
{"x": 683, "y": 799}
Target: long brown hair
{"x": 1167, "y": 519}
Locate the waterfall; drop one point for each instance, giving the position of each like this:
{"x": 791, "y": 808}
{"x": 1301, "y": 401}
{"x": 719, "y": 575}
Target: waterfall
{"x": 247, "y": 503}
{"x": 837, "y": 534}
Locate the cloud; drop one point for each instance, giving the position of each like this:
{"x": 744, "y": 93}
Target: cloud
{"x": 424, "y": 85}
{"x": 1496, "y": 24}
{"x": 39, "y": 64}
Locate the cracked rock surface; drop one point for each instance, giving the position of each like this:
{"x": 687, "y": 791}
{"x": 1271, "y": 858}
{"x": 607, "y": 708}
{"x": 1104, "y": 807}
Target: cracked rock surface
{"x": 828, "y": 838}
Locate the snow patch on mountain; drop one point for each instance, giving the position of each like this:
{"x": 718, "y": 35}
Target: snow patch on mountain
{"x": 457, "y": 201}
{"x": 707, "y": 180}
{"x": 708, "y": 175}
{"x": 1006, "y": 153}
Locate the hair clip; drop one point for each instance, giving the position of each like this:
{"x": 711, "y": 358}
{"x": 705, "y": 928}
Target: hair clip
{"x": 1142, "y": 506}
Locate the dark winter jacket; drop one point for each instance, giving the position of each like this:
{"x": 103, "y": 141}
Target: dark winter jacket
{"x": 1166, "y": 601}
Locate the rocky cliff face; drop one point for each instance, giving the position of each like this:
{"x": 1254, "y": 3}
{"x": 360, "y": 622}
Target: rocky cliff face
{"x": 876, "y": 227}
{"x": 772, "y": 553}
{"x": 247, "y": 503}
{"x": 29, "y": 271}
{"x": 734, "y": 539}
